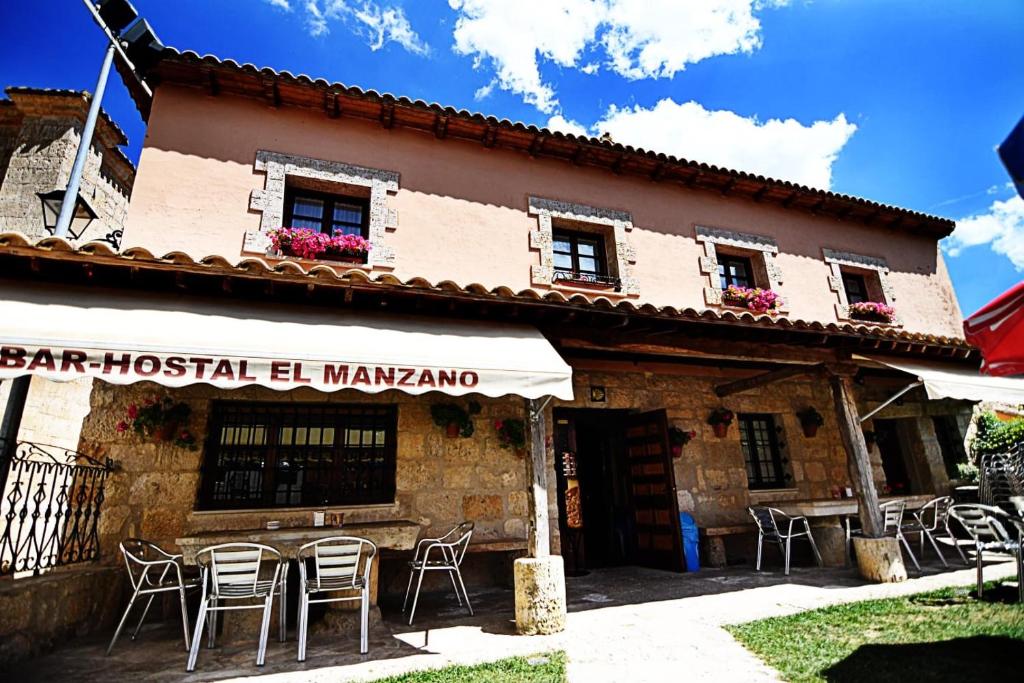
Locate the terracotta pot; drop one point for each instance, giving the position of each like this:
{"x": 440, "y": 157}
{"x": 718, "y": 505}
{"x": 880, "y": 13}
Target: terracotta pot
{"x": 677, "y": 450}
{"x": 810, "y": 430}
{"x": 166, "y": 432}
{"x": 721, "y": 429}
{"x": 452, "y": 430}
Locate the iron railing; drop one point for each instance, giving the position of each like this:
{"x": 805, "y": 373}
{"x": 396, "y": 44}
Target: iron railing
{"x": 588, "y": 279}
{"x": 50, "y": 508}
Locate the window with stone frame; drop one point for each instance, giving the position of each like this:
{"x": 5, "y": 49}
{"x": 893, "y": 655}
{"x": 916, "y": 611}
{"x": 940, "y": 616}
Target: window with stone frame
{"x": 760, "y": 440}
{"x": 279, "y": 455}
{"x": 331, "y": 213}
{"x": 856, "y": 278}
{"x": 580, "y": 258}
{"x": 736, "y": 258}
{"x": 860, "y": 285}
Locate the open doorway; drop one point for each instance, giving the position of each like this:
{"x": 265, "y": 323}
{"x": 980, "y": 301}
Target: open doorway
{"x": 616, "y": 490}
{"x": 906, "y": 472}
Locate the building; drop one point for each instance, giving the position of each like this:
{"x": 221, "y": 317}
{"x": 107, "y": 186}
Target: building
{"x": 631, "y": 265}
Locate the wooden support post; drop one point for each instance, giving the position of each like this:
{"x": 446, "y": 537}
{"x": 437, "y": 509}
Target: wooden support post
{"x": 858, "y": 460}
{"x": 538, "y": 539}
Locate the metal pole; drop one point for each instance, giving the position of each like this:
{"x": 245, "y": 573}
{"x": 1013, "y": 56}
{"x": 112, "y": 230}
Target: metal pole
{"x": 67, "y": 207}
{"x": 11, "y": 423}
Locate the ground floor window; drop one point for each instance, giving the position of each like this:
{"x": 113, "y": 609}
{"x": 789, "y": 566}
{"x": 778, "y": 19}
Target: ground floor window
{"x": 266, "y": 455}
{"x": 759, "y": 439}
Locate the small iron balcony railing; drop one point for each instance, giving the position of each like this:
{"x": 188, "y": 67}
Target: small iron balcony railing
{"x": 588, "y": 279}
{"x": 50, "y": 508}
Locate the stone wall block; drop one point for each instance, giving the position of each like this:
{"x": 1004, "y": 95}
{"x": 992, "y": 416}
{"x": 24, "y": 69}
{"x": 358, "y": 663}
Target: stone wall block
{"x": 477, "y": 507}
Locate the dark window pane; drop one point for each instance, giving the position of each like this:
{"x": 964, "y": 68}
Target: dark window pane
{"x": 587, "y": 248}
{"x": 306, "y": 223}
{"x": 563, "y": 261}
{"x": 579, "y": 254}
{"x": 348, "y": 213}
{"x": 348, "y": 229}
{"x": 856, "y": 288}
{"x": 262, "y": 455}
{"x": 761, "y": 452}
{"x": 734, "y": 270}
{"x": 562, "y": 245}
{"x": 588, "y": 264}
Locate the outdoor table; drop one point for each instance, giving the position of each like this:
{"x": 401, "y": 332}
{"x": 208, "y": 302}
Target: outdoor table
{"x": 825, "y": 516}
{"x": 394, "y": 535}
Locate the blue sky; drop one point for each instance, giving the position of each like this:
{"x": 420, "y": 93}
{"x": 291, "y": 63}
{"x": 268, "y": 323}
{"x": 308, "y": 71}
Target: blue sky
{"x": 900, "y": 101}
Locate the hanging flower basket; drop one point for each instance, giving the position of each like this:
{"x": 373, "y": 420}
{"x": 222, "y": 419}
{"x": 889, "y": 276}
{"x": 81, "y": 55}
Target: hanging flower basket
{"x": 872, "y": 311}
{"x": 310, "y": 244}
{"x": 456, "y": 420}
{"x": 754, "y": 299}
{"x": 677, "y": 438}
{"x": 512, "y": 434}
{"x": 810, "y": 420}
{"x": 720, "y": 419}
{"x": 160, "y": 420}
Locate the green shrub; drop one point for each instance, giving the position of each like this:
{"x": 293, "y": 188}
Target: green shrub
{"x": 996, "y": 436}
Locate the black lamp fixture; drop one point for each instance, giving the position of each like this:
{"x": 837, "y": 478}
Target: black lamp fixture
{"x": 80, "y": 219}
{"x": 116, "y": 14}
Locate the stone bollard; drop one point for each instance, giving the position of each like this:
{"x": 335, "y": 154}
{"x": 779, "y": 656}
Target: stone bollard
{"x": 879, "y": 559}
{"x": 540, "y": 595}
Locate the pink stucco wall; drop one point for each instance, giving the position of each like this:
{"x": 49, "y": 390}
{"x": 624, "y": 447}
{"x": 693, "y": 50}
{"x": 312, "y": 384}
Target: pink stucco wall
{"x": 463, "y": 209}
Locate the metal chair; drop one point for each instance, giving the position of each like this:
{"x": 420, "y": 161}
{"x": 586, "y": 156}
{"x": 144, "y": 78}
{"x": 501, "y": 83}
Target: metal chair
{"x": 452, "y": 547}
{"x": 767, "y": 520}
{"x": 231, "y": 572}
{"x": 335, "y": 563}
{"x": 931, "y": 521}
{"x": 152, "y": 570}
{"x": 986, "y": 525}
{"x": 892, "y": 525}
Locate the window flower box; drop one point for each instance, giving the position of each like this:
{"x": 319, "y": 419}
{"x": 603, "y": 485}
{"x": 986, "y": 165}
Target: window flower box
{"x": 872, "y": 311}
{"x": 754, "y": 299}
{"x": 310, "y": 244}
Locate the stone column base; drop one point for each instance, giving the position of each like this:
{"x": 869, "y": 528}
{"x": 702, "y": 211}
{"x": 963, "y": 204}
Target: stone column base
{"x": 879, "y": 559}
{"x": 540, "y": 595}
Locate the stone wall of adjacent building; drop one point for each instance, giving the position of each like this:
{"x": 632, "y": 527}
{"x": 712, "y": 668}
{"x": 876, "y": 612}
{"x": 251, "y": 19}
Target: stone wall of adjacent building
{"x": 40, "y": 134}
{"x": 439, "y": 480}
{"x": 54, "y": 411}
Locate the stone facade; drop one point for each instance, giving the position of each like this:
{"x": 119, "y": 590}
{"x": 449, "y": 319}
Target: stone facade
{"x": 39, "y": 136}
{"x": 439, "y": 481}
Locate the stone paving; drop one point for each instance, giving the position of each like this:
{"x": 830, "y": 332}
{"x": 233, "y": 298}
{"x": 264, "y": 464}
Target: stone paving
{"x": 624, "y": 624}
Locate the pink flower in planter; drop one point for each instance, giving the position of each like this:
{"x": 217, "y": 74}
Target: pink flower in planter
{"x": 872, "y": 310}
{"x": 753, "y": 299}
{"x": 312, "y": 244}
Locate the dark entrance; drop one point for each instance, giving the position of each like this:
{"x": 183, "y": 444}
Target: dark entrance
{"x": 619, "y": 466}
{"x": 894, "y": 462}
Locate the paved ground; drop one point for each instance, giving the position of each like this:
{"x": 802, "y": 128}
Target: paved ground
{"x": 625, "y": 624}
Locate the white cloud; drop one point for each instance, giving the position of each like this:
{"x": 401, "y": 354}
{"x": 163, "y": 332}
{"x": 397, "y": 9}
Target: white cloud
{"x": 634, "y": 38}
{"x": 1001, "y": 227}
{"x": 787, "y": 150}
{"x": 560, "y": 123}
{"x": 280, "y": 4}
{"x": 511, "y": 35}
{"x": 378, "y": 24}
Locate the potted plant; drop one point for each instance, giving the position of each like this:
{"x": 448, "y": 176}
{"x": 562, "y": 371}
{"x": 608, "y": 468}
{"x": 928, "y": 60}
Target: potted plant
{"x": 755, "y": 299}
{"x": 160, "y": 419}
{"x": 312, "y": 244}
{"x": 511, "y": 434}
{"x": 677, "y": 438}
{"x": 873, "y": 311}
{"x": 456, "y": 420}
{"x": 810, "y": 420}
{"x": 720, "y": 419}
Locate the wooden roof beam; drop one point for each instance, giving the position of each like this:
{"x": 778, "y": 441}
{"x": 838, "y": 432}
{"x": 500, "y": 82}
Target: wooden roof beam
{"x": 441, "y": 126}
{"x": 387, "y": 114}
{"x": 748, "y": 383}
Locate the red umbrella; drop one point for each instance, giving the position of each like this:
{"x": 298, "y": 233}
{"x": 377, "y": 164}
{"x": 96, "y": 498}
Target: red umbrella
{"x": 998, "y": 330}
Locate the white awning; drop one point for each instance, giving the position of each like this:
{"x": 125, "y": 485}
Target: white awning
{"x": 949, "y": 381}
{"x": 122, "y": 337}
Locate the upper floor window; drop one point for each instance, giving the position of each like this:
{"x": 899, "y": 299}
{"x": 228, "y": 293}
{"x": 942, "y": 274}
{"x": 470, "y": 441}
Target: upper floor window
{"x": 762, "y": 451}
{"x": 735, "y": 270}
{"x": 579, "y": 257}
{"x": 266, "y": 455}
{"x": 327, "y": 213}
{"x": 856, "y": 288}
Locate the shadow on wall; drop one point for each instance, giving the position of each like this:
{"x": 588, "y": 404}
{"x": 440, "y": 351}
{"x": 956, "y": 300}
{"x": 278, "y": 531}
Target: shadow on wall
{"x": 980, "y": 658}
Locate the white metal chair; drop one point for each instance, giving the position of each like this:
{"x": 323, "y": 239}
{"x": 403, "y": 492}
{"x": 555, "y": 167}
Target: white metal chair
{"x": 931, "y": 521}
{"x": 336, "y": 567}
{"x": 987, "y": 526}
{"x": 452, "y": 548}
{"x": 892, "y": 525}
{"x": 238, "y": 572}
{"x": 768, "y": 529}
{"x": 152, "y": 570}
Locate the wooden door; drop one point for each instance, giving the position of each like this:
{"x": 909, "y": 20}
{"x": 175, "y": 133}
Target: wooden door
{"x": 652, "y": 480}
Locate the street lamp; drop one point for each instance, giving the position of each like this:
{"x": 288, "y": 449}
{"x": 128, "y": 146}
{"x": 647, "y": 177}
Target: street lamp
{"x": 113, "y": 16}
{"x": 82, "y": 217}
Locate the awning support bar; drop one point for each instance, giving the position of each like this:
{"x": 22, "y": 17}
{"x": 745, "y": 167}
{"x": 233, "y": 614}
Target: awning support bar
{"x": 891, "y": 399}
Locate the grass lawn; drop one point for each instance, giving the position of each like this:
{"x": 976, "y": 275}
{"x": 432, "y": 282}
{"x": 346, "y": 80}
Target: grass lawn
{"x": 946, "y": 635}
{"x": 542, "y": 668}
